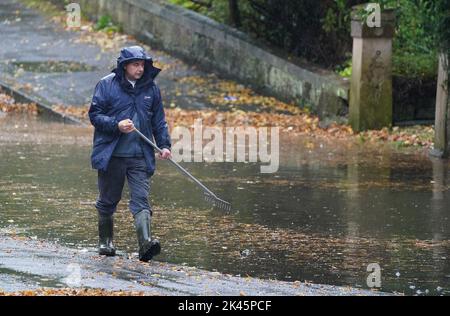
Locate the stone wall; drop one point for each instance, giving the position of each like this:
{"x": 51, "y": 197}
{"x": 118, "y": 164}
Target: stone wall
{"x": 228, "y": 52}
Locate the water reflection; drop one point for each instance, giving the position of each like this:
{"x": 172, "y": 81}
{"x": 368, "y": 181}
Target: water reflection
{"x": 332, "y": 209}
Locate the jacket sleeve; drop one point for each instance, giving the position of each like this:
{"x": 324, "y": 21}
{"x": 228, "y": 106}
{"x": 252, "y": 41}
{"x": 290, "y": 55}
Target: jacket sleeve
{"x": 97, "y": 111}
{"x": 160, "y": 129}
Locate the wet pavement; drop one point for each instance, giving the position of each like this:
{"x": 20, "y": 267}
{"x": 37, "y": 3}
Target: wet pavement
{"x": 29, "y": 265}
{"x": 29, "y": 38}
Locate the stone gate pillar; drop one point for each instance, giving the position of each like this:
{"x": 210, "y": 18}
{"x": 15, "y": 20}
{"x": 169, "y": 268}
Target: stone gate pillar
{"x": 371, "y": 83}
{"x": 442, "y": 120}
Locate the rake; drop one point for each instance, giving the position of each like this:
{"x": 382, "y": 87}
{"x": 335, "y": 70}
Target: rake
{"x": 208, "y": 194}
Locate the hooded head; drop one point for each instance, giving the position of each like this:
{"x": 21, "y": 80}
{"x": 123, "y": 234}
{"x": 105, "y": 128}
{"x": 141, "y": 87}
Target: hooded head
{"x": 132, "y": 54}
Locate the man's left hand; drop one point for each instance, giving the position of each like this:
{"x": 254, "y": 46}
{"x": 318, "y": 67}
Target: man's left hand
{"x": 166, "y": 154}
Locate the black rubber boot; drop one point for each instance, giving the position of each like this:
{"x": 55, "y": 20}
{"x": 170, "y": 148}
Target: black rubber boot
{"x": 148, "y": 248}
{"x": 105, "y": 234}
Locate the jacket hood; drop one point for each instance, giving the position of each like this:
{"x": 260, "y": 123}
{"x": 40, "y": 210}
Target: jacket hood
{"x": 128, "y": 54}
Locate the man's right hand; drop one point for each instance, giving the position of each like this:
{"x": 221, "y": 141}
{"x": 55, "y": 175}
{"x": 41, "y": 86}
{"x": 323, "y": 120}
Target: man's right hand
{"x": 126, "y": 126}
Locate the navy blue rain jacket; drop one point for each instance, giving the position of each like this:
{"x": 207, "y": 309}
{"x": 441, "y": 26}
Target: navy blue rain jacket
{"x": 115, "y": 100}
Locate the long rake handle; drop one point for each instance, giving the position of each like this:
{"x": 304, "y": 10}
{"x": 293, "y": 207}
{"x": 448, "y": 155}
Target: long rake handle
{"x": 176, "y": 164}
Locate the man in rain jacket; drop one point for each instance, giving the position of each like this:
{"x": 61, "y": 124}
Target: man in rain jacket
{"x": 126, "y": 99}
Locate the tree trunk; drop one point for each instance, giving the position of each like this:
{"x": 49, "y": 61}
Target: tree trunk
{"x": 235, "y": 17}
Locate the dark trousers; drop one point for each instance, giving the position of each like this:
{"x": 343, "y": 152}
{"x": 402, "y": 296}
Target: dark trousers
{"x": 111, "y": 182}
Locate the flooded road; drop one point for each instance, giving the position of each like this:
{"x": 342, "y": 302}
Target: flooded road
{"x": 332, "y": 209}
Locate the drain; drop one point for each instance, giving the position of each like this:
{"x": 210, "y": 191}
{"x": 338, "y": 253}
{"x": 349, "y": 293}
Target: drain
{"x": 53, "y": 66}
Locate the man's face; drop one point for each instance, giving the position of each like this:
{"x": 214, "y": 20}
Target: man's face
{"x": 134, "y": 70}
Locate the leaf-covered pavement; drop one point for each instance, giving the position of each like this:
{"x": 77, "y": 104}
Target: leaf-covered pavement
{"x": 420, "y": 137}
{"x": 32, "y": 268}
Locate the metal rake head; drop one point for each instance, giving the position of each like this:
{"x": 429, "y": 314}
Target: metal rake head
{"x": 219, "y": 203}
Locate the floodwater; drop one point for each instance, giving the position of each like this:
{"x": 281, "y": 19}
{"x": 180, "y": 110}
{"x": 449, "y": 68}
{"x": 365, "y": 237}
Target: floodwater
{"x": 332, "y": 209}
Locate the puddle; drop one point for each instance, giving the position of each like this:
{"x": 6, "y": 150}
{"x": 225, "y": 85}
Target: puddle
{"x": 321, "y": 218}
